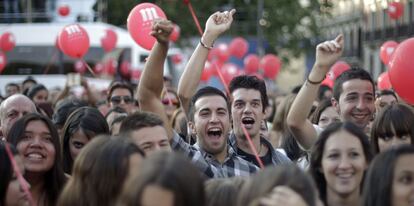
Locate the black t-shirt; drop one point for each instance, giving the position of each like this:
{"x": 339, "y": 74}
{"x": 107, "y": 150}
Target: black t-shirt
{"x": 267, "y": 159}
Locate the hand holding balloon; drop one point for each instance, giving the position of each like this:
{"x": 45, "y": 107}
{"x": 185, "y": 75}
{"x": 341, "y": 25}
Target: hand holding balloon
{"x": 216, "y": 24}
{"x": 161, "y": 30}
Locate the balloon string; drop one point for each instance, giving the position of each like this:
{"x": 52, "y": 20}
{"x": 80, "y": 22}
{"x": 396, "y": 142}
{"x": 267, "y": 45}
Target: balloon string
{"x": 190, "y": 7}
{"x": 226, "y": 88}
{"x": 221, "y": 77}
{"x": 89, "y": 68}
{"x": 51, "y": 61}
{"x": 19, "y": 175}
{"x": 256, "y": 155}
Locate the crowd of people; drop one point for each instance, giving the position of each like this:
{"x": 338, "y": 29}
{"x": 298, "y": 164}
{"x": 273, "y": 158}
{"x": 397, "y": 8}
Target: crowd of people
{"x": 157, "y": 145}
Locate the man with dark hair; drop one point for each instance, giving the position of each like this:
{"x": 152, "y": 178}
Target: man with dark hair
{"x": 209, "y": 106}
{"x": 353, "y": 94}
{"x": 28, "y": 83}
{"x": 248, "y": 111}
{"x": 147, "y": 131}
{"x": 12, "y": 88}
{"x": 384, "y": 98}
{"x": 121, "y": 94}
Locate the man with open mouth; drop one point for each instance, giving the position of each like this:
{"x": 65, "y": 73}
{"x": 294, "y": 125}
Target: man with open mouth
{"x": 249, "y": 100}
{"x": 208, "y": 110}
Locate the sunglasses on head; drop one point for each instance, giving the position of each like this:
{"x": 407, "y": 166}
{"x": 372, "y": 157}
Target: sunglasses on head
{"x": 173, "y": 102}
{"x": 117, "y": 99}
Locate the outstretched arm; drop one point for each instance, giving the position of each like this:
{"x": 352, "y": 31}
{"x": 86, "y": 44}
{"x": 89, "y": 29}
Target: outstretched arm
{"x": 217, "y": 23}
{"x": 151, "y": 83}
{"x": 327, "y": 53}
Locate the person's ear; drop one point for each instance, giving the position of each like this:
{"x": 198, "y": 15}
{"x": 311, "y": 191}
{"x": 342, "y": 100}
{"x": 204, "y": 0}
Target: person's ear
{"x": 335, "y": 104}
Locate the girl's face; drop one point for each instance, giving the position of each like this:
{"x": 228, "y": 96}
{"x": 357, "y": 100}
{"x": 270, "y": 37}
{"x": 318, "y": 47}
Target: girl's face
{"x": 15, "y": 195}
{"x": 37, "y": 148}
{"x": 328, "y": 116}
{"x": 403, "y": 181}
{"x": 77, "y": 142}
{"x": 343, "y": 163}
{"x": 386, "y": 143}
{"x": 40, "y": 97}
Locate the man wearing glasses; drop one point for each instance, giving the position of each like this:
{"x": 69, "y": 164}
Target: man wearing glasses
{"x": 121, "y": 94}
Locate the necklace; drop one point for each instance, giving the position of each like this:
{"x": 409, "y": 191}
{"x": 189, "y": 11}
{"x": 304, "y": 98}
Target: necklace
{"x": 260, "y": 149}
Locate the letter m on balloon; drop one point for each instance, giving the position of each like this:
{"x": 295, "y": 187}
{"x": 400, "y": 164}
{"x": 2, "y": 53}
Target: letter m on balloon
{"x": 148, "y": 14}
{"x": 72, "y": 29}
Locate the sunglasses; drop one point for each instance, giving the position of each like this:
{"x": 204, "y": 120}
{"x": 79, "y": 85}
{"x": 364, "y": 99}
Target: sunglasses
{"x": 118, "y": 99}
{"x": 173, "y": 102}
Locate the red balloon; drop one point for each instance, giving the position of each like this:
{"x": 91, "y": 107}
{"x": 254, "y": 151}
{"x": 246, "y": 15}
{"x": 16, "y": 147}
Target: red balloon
{"x": 175, "y": 34}
{"x": 384, "y": 81}
{"x": 110, "y": 66}
{"x": 238, "y": 47}
{"x": 251, "y": 64}
{"x": 108, "y": 42}
{"x": 328, "y": 82}
{"x": 74, "y": 41}
{"x": 177, "y": 58}
{"x": 64, "y": 10}
{"x": 270, "y": 64}
{"x": 7, "y": 42}
{"x": 387, "y": 49}
{"x": 229, "y": 71}
{"x": 223, "y": 52}
{"x": 337, "y": 69}
{"x": 79, "y": 67}
{"x": 3, "y": 61}
{"x": 125, "y": 68}
{"x": 99, "y": 68}
{"x": 401, "y": 70}
{"x": 136, "y": 74}
{"x": 395, "y": 10}
{"x": 139, "y": 23}
{"x": 207, "y": 72}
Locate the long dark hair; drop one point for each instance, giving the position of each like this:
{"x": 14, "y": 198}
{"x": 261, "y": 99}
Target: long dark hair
{"x": 87, "y": 119}
{"x": 6, "y": 170}
{"x": 161, "y": 169}
{"x": 99, "y": 172}
{"x": 393, "y": 120}
{"x": 318, "y": 148}
{"x": 54, "y": 179}
{"x": 379, "y": 180}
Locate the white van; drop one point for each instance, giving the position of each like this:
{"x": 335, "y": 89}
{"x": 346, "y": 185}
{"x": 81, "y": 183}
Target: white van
{"x": 36, "y": 54}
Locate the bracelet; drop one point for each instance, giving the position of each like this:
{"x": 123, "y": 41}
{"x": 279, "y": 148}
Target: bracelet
{"x": 205, "y": 46}
{"x": 312, "y": 82}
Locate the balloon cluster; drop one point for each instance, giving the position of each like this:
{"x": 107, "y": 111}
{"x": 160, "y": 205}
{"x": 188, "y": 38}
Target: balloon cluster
{"x": 269, "y": 65}
{"x": 7, "y": 43}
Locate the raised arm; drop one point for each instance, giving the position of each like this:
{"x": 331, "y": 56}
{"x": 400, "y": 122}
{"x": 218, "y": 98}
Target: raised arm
{"x": 151, "y": 82}
{"x": 327, "y": 53}
{"x": 217, "y": 23}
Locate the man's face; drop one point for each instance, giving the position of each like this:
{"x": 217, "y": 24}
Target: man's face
{"x": 212, "y": 123}
{"x": 14, "y": 110}
{"x": 121, "y": 97}
{"x": 383, "y": 101}
{"x": 151, "y": 139}
{"x": 10, "y": 90}
{"x": 247, "y": 111}
{"x": 356, "y": 102}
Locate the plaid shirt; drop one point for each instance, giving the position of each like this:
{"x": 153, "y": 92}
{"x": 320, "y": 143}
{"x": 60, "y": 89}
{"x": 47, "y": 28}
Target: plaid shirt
{"x": 277, "y": 157}
{"x": 233, "y": 165}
